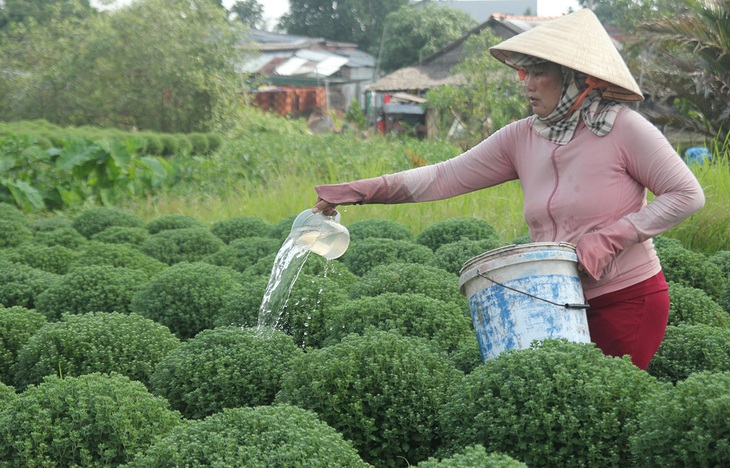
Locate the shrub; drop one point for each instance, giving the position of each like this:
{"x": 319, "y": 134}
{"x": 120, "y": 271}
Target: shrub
{"x": 13, "y": 233}
{"x": 95, "y": 342}
{"x": 240, "y": 227}
{"x": 410, "y": 314}
{"x": 95, "y": 220}
{"x": 452, "y": 256}
{"x": 282, "y": 229}
{"x": 53, "y": 259}
{"x": 17, "y": 325}
{"x": 7, "y": 394}
{"x": 314, "y": 265}
{"x": 214, "y": 141}
{"x": 199, "y": 143}
{"x": 181, "y": 245}
{"x": 225, "y": 367}
{"x": 553, "y": 404}
{"x": 189, "y": 297}
{"x": 383, "y": 228}
{"x": 96, "y": 288}
{"x": 183, "y": 143}
{"x": 241, "y": 254}
{"x": 118, "y": 255}
{"x": 66, "y": 237}
{"x": 688, "y": 268}
{"x": 174, "y": 221}
{"x": 693, "y": 306}
{"x": 20, "y": 285}
{"x": 121, "y": 235}
{"x": 380, "y": 390}
{"x": 276, "y": 436}
{"x": 722, "y": 259}
{"x": 153, "y": 144}
{"x": 245, "y": 312}
{"x": 362, "y": 256}
{"x": 50, "y": 223}
{"x": 11, "y": 213}
{"x": 410, "y": 277}
{"x": 93, "y": 420}
{"x": 687, "y": 349}
{"x": 471, "y": 457}
{"x": 686, "y": 425}
{"x": 444, "y": 232}
{"x": 170, "y": 145}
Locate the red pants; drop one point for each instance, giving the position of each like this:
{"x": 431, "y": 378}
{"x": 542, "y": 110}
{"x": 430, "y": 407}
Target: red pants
{"x": 632, "y": 320}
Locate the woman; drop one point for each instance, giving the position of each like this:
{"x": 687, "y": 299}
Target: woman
{"x": 585, "y": 162}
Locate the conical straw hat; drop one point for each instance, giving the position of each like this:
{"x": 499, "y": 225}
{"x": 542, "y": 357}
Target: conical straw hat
{"x": 577, "y": 41}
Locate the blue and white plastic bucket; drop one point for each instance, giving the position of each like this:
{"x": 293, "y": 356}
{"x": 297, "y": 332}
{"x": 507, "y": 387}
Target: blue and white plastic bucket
{"x": 521, "y": 293}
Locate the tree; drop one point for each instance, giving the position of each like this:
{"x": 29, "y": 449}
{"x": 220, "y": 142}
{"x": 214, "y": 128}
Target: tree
{"x": 357, "y": 21}
{"x": 18, "y": 11}
{"x": 414, "y": 32}
{"x": 248, "y": 12}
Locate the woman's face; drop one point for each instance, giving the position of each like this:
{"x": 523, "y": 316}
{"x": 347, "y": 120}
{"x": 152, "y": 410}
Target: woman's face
{"x": 544, "y": 85}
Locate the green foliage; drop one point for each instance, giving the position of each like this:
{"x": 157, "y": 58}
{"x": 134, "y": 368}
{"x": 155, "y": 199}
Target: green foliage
{"x": 686, "y": 425}
{"x": 93, "y": 420}
{"x": 199, "y": 142}
{"x": 170, "y": 144}
{"x": 121, "y": 235}
{"x": 382, "y": 228}
{"x": 381, "y": 391}
{"x": 554, "y": 404}
{"x": 694, "y": 307}
{"x": 189, "y": 297}
{"x": 95, "y": 220}
{"x": 17, "y": 325}
{"x": 20, "y": 285}
{"x": 174, "y": 221}
{"x": 362, "y": 256}
{"x": 245, "y": 313}
{"x": 452, "y": 256}
{"x": 410, "y": 277}
{"x": 452, "y": 230}
{"x": 721, "y": 258}
{"x": 117, "y": 255}
{"x": 278, "y": 436}
{"x": 50, "y": 223}
{"x": 7, "y": 394}
{"x": 94, "y": 288}
{"x": 473, "y": 456}
{"x": 53, "y": 259}
{"x": 410, "y": 314}
{"x": 689, "y": 268}
{"x": 355, "y": 115}
{"x": 9, "y": 212}
{"x": 240, "y": 227}
{"x": 64, "y": 236}
{"x": 13, "y": 233}
{"x": 690, "y": 348}
{"x": 241, "y": 254}
{"x": 95, "y": 342}
{"x": 226, "y": 367}
{"x": 181, "y": 245}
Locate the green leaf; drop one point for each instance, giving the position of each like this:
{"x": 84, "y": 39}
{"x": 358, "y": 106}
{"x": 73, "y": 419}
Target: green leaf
{"x": 76, "y": 153}
{"x": 24, "y": 194}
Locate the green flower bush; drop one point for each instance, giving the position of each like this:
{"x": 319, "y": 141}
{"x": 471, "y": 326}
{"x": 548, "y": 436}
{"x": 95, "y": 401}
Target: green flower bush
{"x": 244, "y": 311}
{"x": 381, "y": 390}
{"x": 53, "y": 259}
{"x": 410, "y": 277}
{"x": 452, "y": 256}
{"x": 118, "y": 255}
{"x": 363, "y": 255}
{"x": 693, "y": 306}
{"x": 66, "y": 237}
{"x": 11, "y": 213}
{"x": 17, "y": 326}
{"x": 96, "y": 288}
{"x": 451, "y": 230}
{"x": 240, "y": 227}
{"x": 314, "y": 265}
{"x": 122, "y": 235}
{"x": 685, "y": 425}
{"x": 181, "y": 245}
{"x": 189, "y": 297}
{"x": 13, "y": 233}
{"x": 20, "y": 285}
{"x": 50, "y": 223}
{"x": 174, "y": 221}
{"x": 94, "y": 420}
{"x": 687, "y": 349}
{"x": 382, "y": 228}
{"x": 472, "y": 457}
{"x": 282, "y": 229}
{"x": 130, "y": 345}
{"x": 225, "y": 367}
{"x": 554, "y": 404}
{"x": 95, "y": 220}
{"x": 410, "y": 314}
{"x": 7, "y": 394}
{"x": 690, "y": 268}
{"x": 279, "y": 436}
{"x": 241, "y": 254}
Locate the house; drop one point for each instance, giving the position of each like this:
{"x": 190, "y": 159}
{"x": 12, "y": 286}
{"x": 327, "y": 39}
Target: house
{"x": 301, "y": 75}
{"x": 399, "y": 95}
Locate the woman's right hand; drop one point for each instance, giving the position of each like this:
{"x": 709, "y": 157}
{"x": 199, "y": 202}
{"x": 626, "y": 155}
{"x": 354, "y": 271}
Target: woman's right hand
{"x": 324, "y": 207}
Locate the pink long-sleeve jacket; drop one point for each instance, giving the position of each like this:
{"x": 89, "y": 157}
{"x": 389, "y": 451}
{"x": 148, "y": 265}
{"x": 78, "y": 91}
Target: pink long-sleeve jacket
{"x": 590, "y": 192}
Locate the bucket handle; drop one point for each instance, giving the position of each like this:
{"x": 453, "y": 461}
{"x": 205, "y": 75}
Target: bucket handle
{"x": 567, "y": 305}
